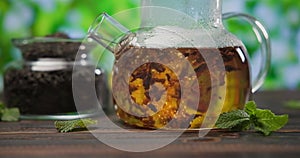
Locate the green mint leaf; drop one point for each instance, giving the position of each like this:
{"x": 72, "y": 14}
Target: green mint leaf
{"x": 10, "y": 114}
{"x": 250, "y": 108}
{"x": 237, "y": 120}
{"x": 67, "y": 126}
{"x": 261, "y": 120}
{"x": 267, "y": 122}
{"x": 2, "y": 106}
{"x": 292, "y": 104}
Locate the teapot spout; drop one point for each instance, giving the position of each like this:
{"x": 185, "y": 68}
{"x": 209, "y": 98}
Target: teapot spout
{"x": 109, "y": 33}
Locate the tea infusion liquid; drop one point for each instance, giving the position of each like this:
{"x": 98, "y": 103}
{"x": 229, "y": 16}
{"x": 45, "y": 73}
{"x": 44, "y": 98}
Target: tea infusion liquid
{"x": 161, "y": 78}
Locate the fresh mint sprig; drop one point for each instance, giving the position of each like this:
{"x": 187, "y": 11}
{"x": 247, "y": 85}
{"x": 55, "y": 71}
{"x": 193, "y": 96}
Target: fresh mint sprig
{"x": 251, "y": 117}
{"x": 292, "y": 104}
{"x": 9, "y": 114}
{"x": 71, "y": 125}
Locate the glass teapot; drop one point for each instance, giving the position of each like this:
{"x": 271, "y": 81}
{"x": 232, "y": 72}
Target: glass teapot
{"x": 180, "y": 68}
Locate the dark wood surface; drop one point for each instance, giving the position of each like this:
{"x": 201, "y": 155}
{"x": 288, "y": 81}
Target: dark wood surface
{"x": 40, "y": 139}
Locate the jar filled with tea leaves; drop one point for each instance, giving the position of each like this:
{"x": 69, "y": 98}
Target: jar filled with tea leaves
{"x": 41, "y": 85}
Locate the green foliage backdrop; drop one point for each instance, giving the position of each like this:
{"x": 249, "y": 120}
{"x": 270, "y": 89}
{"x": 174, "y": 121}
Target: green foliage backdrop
{"x": 282, "y": 19}
{"x": 41, "y": 17}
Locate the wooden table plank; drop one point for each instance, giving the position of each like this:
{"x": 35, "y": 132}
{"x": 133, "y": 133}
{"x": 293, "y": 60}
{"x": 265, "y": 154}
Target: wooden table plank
{"x": 40, "y": 139}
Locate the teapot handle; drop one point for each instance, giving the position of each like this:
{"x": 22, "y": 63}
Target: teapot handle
{"x": 264, "y": 40}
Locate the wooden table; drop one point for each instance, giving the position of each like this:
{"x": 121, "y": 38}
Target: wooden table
{"x": 40, "y": 139}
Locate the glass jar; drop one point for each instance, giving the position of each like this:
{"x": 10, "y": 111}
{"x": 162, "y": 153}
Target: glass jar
{"x": 41, "y": 86}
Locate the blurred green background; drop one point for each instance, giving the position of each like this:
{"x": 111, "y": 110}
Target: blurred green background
{"x": 41, "y": 17}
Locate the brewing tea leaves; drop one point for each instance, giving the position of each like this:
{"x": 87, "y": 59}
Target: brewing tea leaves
{"x": 71, "y": 125}
{"x": 188, "y": 61}
{"x": 261, "y": 120}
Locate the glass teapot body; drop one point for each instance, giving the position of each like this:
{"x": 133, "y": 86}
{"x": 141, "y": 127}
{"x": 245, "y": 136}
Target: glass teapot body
{"x": 180, "y": 68}
{"x": 195, "y": 34}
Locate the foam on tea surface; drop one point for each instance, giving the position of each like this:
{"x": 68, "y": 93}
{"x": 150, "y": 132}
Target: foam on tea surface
{"x": 172, "y": 36}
